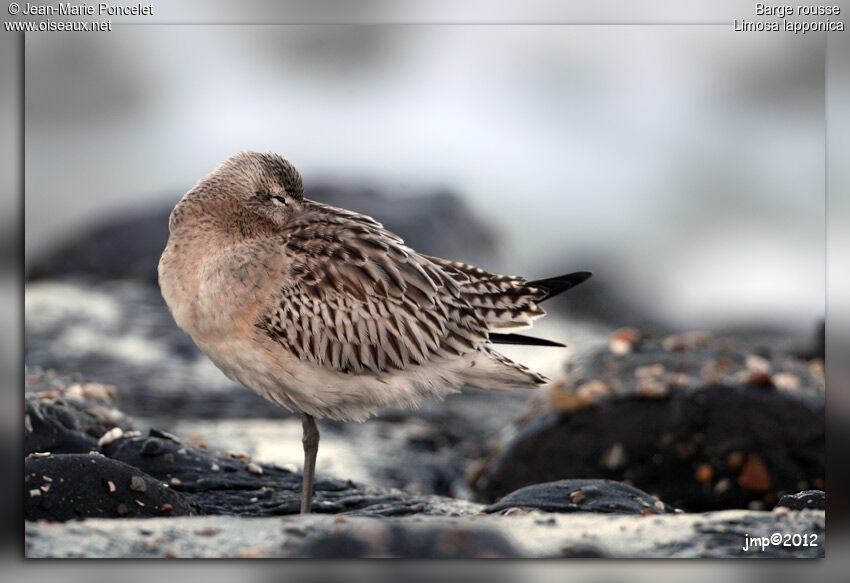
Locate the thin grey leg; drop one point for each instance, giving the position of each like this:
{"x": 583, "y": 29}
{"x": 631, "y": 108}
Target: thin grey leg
{"x": 311, "y": 448}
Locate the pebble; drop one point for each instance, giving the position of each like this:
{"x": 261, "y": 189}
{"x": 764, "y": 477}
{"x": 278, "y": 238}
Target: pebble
{"x": 653, "y": 389}
{"x": 577, "y": 496}
{"x": 254, "y": 468}
{"x": 757, "y": 363}
{"x": 703, "y": 473}
{"x": 786, "y": 381}
{"x": 614, "y": 457}
{"x": 113, "y": 434}
{"x": 722, "y": 486}
{"x": 754, "y": 475}
{"x": 649, "y": 371}
{"x": 137, "y": 484}
{"x": 622, "y": 341}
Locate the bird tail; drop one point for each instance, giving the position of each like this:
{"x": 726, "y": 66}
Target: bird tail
{"x": 559, "y": 284}
{"x": 487, "y": 369}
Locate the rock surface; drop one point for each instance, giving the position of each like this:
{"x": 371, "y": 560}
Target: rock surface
{"x": 701, "y": 423}
{"x": 534, "y": 534}
{"x": 813, "y": 499}
{"x": 604, "y": 496}
{"x": 68, "y": 486}
{"x": 220, "y": 504}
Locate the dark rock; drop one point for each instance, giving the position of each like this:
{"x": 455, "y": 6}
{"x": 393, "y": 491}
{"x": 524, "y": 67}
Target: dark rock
{"x": 582, "y": 496}
{"x": 814, "y": 499}
{"x": 63, "y": 425}
{"x": 663, "y": 442}
{"x": 412, "y": 543}
{"x": 211, "y": 482}
{"x": 714, "y": 443}
{"x": 68, "y": 486}
{"x": 128, "y": 247}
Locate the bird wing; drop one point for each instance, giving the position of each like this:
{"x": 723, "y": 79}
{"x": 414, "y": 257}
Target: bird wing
{"x": 505, "y": 301}
{"x": 355, "y": 299}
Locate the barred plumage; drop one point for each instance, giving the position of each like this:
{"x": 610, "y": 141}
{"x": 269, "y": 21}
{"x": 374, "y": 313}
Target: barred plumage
{"x": 324, "y": 311}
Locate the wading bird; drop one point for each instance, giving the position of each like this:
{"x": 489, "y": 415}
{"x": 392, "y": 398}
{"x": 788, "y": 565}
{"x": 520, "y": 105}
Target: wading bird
{"x": 323, "y": 311}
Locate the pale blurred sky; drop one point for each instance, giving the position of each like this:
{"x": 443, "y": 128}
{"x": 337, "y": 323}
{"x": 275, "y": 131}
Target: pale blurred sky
{"x": 689, "y": 159}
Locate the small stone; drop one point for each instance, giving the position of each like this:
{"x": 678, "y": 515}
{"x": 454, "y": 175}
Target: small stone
{"x": 254, "y": 468}
{"x": 703, "y": 473}
{"x": 722, "y": 486}
{"x": 577, "y": 497}
{"x": 207, "y": 531}
{"x": 679, "y": 380}
{"x": 35, "y": 492}
{"x": 614, "y": 457}
{"x": 113, "y": 434}
{"x": 175, "y": 481}
{"x": 757, "y": 363}
{"x": 163, "y": 434}
{"x": 110, "y": 485}
{"x": 514, "y": 512}
{"x": 653, "y": 389}
{"x": 623, "y": 341}
{"x": 650, "y": 371}
{"x": 100, "y": 391}
{"x": 39, "y": 454}
{"x": 659, "y": 505}
{"x": 754, "y": 475}
{"x": 121, "y": 510}
{"x": 166, "y": 508}
{"x": 45, "y": 488}
{"x": 646, "y": 511}
{"x": 568, "y": 401}
{"x": 735, "y": 460}
{"x": 786, "y": 381}
{"x": 137, "y": 484}
{"x": 684, "y": 341}
{"x": 106, "y": 415}
{"x": 593, "y": 389}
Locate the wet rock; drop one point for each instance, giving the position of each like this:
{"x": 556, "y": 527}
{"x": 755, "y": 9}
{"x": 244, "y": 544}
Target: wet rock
{"x": 582, "y": 496}
{"x": 712, "y": 444}
{"x": 128, "y": 247}
{"x": 59, "y": 423}
{"x": 670, "y": 448}
{"x": 68, "y": 486}
{"x": 210, "y": 482}
{"x": 814, "y": 499}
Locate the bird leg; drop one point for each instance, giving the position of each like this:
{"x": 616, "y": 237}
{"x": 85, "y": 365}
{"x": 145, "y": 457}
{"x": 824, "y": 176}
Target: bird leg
{"x": 311, "y": 448}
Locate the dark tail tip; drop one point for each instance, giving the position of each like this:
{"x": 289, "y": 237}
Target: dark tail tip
{"x": 496, "y": 338}
{"x": 561, "y": 283}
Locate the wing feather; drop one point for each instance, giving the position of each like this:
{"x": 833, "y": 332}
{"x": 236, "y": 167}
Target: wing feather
{"x": 354, "y": 298}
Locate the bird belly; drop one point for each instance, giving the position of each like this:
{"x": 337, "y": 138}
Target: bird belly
{"x": 266, "y": 368}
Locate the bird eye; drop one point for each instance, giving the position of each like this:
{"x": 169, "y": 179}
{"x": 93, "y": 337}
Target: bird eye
{"x": 279, "y": 200}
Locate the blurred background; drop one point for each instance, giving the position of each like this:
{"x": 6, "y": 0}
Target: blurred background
{"x": 684, "y": 165}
